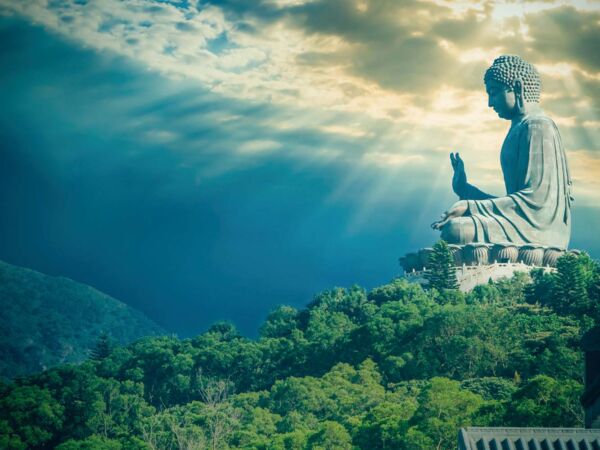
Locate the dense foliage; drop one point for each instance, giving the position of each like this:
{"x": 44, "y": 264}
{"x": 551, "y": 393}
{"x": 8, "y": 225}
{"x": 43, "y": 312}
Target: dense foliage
{"x": 47, "y": 321}
{"x": 397, "y": 367}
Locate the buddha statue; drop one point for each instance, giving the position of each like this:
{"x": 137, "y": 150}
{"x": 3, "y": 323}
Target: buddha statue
{"x": 536, "y": 209}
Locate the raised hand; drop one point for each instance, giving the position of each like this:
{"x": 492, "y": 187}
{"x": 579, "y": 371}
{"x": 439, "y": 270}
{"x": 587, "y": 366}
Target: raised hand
{"x": 459, "y": 179}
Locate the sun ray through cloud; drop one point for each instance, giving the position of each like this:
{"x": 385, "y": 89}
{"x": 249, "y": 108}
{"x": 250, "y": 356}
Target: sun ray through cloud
{"x": 340, "y": 113}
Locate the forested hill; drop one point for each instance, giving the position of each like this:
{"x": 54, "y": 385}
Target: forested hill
{"x": 45, "y": 321}
{"x": 394, "y": 368}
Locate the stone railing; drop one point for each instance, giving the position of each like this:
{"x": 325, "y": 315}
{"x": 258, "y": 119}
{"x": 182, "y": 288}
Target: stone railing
{"x": 485, "y": 254}
{"x": 470, "y": 276}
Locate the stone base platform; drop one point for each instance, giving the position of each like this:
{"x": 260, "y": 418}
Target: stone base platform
{"x": 485, "y": 254}
{"x": 470, "y": 276}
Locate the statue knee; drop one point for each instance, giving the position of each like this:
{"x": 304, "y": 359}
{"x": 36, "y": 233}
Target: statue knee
{"x": 459, "y": 231}
{"x": 451, "y": 232}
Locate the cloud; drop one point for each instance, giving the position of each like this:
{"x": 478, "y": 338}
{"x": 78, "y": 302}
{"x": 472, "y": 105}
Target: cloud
{"x": 406, "y": 75}
{"x": 328, "y": 54}
{"x": 566, "y": 34}
{"x": 333, "y": 53}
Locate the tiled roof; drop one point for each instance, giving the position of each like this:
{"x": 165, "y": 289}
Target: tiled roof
{"x": 475, "y": 438}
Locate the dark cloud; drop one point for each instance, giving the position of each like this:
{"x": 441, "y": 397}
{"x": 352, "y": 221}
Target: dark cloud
{"x": 413, "y": 64}
{"x": 397, "y": 44}
{"x": 380, "y": 22}
{"x": 566, "y": 34}
{"x": 239, "y": 10}
{"x": 385, "y": 48}
{"x": 471, "y": 29}
{"x": 574, "y": 95}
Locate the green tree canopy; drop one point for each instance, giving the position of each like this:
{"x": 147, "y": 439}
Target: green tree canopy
{"x": 441, "y": 272}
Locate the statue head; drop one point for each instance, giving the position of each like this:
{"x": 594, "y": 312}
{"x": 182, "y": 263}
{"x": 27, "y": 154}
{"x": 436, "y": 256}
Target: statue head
{"x": 511, "y": 82}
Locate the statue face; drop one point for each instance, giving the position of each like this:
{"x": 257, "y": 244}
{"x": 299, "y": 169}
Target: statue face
{"x": 501, "y": 98}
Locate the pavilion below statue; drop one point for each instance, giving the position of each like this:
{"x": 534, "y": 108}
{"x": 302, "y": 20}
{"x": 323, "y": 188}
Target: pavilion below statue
{"x": 470, "y": 276}
{"x": 476, "y": 264}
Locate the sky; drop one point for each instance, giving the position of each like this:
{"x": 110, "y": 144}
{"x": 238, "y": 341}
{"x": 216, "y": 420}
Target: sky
{"x": 210, "y": 160}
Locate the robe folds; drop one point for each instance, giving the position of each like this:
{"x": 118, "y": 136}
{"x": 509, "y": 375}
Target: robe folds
{"x": 537, "y": 205}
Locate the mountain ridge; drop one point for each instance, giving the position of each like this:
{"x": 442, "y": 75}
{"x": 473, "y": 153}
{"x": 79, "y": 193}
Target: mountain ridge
{"x": 49, "y": 320}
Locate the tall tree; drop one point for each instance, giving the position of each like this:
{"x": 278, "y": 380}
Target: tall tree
{"x": 103, "y": 347}
{"x": 570, "y": 293}
{"x": 441, "y": 273}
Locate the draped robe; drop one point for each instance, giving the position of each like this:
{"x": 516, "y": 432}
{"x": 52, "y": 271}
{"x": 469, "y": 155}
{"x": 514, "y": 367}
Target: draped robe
{"x": 537, "y": 205}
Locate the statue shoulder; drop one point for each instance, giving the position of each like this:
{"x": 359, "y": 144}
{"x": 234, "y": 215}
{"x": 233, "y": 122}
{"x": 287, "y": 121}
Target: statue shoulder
{"x": 538, "y": 123}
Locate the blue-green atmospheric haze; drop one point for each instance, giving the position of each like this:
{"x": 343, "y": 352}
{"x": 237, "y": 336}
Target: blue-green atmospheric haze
{"x": 189, "y": 234}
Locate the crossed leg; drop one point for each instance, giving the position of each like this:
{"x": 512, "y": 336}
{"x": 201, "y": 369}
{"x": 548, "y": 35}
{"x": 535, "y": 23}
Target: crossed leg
{"x": 459, "y": 231}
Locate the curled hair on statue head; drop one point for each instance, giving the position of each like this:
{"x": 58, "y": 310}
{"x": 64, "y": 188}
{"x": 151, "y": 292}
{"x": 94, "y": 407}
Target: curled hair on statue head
{"x": 508, "y": 69}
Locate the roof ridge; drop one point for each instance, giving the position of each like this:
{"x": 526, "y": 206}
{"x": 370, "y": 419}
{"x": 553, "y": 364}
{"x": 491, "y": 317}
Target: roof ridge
{"x": 570, "y": 429}
{"x": 478, "y": 438}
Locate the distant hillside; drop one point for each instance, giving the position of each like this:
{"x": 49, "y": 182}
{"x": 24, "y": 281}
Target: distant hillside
{"x": 45, "y": 321}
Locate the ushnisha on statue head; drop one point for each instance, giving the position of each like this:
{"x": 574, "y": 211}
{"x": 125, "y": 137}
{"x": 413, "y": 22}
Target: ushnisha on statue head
{"x": 513, "y": 86}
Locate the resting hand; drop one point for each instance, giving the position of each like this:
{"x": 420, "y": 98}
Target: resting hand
{"x": 459, "y": 179}
{"x": 457, "y": 210}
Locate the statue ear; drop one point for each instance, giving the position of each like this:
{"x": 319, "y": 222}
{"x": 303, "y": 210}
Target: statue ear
{"x": 519, "y": 94}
